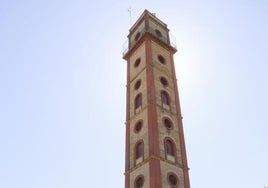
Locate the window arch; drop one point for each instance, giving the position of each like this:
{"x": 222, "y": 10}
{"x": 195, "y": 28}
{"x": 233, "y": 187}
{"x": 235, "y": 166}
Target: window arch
{"x": 138, "y": 100}
{"x": 169, "y": 147}
{"x": 158, "y": 33}
{"x": 165, "y": 98}
{"x": 138, "y": 126}
{"x": 137, "y": 36}
{"x": 173, "y": 179}
{"x": 161, "y": 59}
{"x": 137, "y": 84}
{"x": 163, "y": 81}
{"x": 139, "y": 181}
{"x": 137, "y": 62}
{"x": 139, "y": 150}
{"x": 167, "y": 123}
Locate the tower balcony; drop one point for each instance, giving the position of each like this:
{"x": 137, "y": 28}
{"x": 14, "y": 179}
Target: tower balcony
{"x": 169, "y": 41}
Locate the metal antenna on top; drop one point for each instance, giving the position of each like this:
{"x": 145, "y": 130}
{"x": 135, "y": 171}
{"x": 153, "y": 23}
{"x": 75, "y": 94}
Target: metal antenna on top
{"x": 130, "y": 17}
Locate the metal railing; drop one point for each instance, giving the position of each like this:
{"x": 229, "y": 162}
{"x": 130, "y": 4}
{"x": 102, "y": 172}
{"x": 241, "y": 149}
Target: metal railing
{"x": 170, "y": 41}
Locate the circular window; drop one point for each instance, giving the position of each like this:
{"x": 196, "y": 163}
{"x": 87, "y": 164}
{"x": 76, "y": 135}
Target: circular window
{"x": 139, "y": 182}
{"x": 137, "y": 36}
{"x": 138, "y": 126}
{"x": 158, "y": 33}
{"x": 168, "y": 124}
{"x": 161, "y": 59}
{"x": 163, "y": 81}
{"x": 137, "y": 62}
{"x": 137, "y": 84}
{"x": 172, "y": 180}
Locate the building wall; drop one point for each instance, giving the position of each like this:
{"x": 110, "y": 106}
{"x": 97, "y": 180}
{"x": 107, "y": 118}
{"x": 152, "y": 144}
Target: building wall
{"x": 167, "y": 168}
{"x": 153, "y": 25}
{"x": 138, "y": 29}
{"x": 138, "y": 73}
{"x": 156, "y": 164}
{"x": 144, "y": 170}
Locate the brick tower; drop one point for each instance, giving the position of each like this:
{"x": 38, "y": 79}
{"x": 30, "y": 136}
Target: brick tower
{"x": 155, "y": 147}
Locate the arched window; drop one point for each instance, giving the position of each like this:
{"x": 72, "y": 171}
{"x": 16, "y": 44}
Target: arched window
{"x": 138, "y": 126}
{"x": 169, "y": 147}
{"x": 137, "y": 84}
{"x": 139, "y": 150}
{"x": 163, "y": 81}
{"x": 164, "y": 97}
{"x": 168, "y": 123}
{"x": 137, "y": 62}
{"x": 139, "y": 182}
{"x": 158, "y": 33}
{"x": 161, "y": 59}
{"x": 138, "y": 101}
{"x": 137, "y": 36}
{"x": 172, "y": 179}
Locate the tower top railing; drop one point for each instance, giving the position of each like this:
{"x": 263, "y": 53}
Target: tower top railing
{"x": 171, "y": 41}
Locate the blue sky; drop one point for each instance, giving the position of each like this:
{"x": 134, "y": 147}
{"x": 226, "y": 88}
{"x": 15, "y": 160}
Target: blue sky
{"x": 62, "y": 99}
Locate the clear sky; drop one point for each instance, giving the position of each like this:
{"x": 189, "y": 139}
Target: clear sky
{"x": 62, "y": 90}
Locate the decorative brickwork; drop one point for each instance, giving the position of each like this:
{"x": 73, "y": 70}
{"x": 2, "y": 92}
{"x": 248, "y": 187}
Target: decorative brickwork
{"x": 155, "y": 148}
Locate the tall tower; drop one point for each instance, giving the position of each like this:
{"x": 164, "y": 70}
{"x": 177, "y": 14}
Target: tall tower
{"x": 155, "y": 147}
